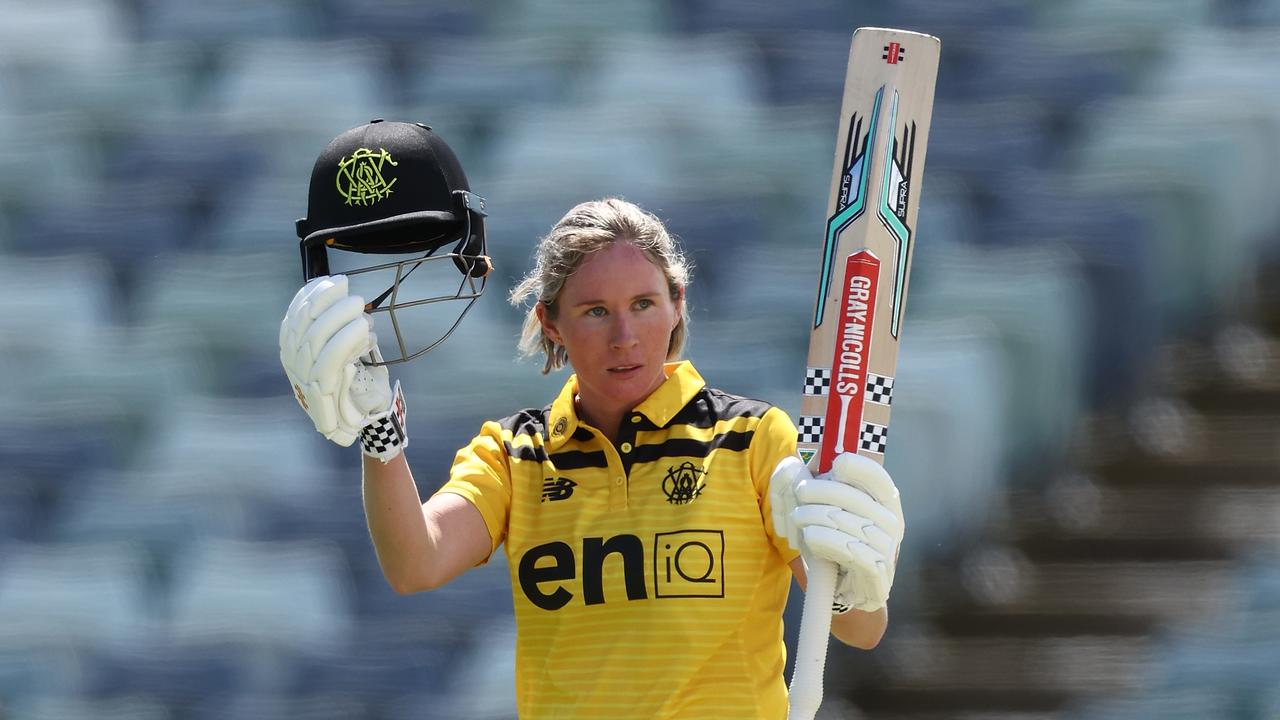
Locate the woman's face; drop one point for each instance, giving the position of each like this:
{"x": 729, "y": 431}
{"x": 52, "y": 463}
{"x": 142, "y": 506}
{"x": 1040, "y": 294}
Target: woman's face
{"x": 614, "y": 318}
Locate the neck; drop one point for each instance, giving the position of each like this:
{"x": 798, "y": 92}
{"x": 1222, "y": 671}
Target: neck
{"x": 607, "y": 421}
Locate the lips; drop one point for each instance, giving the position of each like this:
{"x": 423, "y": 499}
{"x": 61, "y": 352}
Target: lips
{"x": 623, "y": 368}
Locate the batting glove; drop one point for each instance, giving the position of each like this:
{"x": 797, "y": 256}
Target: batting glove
{"x": 326, "y": 339}
{"x": 850, "y": 516}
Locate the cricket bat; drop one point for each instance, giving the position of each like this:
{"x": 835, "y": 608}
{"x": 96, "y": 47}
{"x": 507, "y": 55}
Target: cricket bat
{"x": 862, "y": 288}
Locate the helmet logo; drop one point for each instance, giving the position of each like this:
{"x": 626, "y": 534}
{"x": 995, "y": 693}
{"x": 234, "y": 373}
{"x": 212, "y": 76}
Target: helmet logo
{"x": 360, "y": 178}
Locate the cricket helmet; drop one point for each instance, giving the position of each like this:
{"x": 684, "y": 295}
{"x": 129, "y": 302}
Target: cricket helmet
{"x": 395, "y": 188}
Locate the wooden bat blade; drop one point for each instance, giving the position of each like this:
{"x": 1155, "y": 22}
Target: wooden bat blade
{"x": 867, "y": 248}
{"x": 862, "y": 288}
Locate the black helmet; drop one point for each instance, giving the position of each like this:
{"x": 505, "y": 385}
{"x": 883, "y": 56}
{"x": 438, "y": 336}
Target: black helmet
{"x": 395, "y": 188}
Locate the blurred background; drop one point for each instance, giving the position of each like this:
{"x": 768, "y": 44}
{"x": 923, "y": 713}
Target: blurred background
{"x": 1085, "y": 428}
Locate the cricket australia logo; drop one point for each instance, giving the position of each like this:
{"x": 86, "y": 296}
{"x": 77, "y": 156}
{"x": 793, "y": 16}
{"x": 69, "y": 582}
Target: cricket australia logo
{"x": 362, "y": 178}
{"x": 557, "y": 489}
{"x": 684, "y": 483}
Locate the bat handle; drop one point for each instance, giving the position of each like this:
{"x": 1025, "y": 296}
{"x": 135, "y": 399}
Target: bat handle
{"x": 811, "y": 648}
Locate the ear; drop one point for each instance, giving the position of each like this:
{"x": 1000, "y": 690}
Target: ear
{"x": 548, "y": 325}
{"x": 678, "y": 302}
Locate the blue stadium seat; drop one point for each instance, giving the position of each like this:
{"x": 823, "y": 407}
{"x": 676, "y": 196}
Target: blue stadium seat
{"x": 411, "y": 21}
{"x": 767, "y": 19}
{"x": 166, "y": 515}
{"x": 1189, "y": 76}
{"x": 233, "y": 302}
{"x": 144, "y": 84}
{"x": 1195, "y": 180}
{"x": 392, "y": 658}
{"x": 110, "y": 385}
{"x": 985, "y": 142}
{"x": 83, "y": 594}
{"x": 212, "y": 24}
{"x": 256, "y": 215}
{"x": 482, "y": 688}
{"x": 488, "y": 78}
{"x": 711, "y": 75}
{"x": 130, "y": 225}
{"x": 182, "y": 678}
{"x": 1062, "y": 72}
{"x": 1174, "y": 704}
{"x": 328, "y": 705}
{"x": 56, "y": 304}
{"x": 62, "y": 145}
{"x": 38, "y": 34}
{"x": 949, "y": 441}
{"x": 948, "y": 20}
{"x": 264, "y": 87}
{"x": 261, "y": 448}
{"x": 1117, "y": 248}
{"x": 577, "y": 153}
{"x": 806, "y": 67}
{"x": 578, "y": 22}
{"x": 70, "y": 708}
{"x": 281, "y": 597}
{"x": 1034, "y": 297}
{"x": 20, "y": 511}
{"x": 1145, "y": 22}
{"x": 41, "y": 668}
{"x": 212, "y": 160}
{"x": 53, "y": 446}
{"x": 333, "y": 517}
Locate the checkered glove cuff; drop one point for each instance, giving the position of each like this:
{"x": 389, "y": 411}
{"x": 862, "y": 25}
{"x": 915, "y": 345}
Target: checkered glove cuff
{"x": 386, "y": 437}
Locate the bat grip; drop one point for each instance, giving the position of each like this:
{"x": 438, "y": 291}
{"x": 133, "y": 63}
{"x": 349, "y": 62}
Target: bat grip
{"x": 811, "y": 647}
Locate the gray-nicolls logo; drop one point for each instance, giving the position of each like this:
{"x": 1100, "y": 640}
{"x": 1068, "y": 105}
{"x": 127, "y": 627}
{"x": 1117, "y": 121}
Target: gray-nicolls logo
{"x": 557, "y": 488}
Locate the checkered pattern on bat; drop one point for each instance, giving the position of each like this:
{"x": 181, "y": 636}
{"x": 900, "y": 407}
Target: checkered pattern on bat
{"x": 817, "y": 381}
{"x": 810, "y": 429}
{"x": 879, "y": 389}
{"x": 873, "y": 438}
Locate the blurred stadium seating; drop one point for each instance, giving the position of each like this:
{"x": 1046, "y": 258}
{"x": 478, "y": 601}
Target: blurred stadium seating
{"x": 176, "y": 542}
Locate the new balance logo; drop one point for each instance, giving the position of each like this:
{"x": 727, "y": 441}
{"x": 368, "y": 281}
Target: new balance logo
{"x": 557, "y": 488}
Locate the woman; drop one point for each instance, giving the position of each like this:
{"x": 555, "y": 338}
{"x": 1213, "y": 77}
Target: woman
{"x": 650, "y": 558}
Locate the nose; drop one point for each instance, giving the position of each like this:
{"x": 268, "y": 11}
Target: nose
{"x": 623, "y": 335}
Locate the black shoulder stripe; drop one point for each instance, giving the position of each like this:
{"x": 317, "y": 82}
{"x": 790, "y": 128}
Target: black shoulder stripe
{"x": 526, "y": 452}
{"x": 735, "y": 406}
{"x": 684, "y": 447}
{"x": 711, "y": 406}
{"x": 578, "y": 460}
{"x": 526, "y": 422}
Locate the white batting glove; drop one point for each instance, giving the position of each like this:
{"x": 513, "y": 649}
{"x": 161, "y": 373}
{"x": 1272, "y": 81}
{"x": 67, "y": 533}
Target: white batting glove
{"x": 323, "y": 338}
{"x": 850, "y": 516}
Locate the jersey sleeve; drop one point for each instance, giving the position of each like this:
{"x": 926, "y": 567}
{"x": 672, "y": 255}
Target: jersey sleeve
{"x": 481, "y": 473}
{"x": 775, "y": 439}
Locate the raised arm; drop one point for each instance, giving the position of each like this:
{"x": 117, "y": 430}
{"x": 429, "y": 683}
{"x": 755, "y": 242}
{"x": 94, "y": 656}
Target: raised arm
{"x": 420, "y": 546}
{"x": 326, "y": 343}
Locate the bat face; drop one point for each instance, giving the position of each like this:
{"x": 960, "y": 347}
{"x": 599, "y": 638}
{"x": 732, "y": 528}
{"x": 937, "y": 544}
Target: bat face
{"x": 869, "y": 239}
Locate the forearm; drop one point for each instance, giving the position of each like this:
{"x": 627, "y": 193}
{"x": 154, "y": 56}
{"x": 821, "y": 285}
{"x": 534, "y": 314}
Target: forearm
{"x": 860, "y": 629}
{"x": 393, "y": 510}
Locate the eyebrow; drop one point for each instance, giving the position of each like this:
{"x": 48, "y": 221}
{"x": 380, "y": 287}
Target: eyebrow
{"x": 641, "y": 296}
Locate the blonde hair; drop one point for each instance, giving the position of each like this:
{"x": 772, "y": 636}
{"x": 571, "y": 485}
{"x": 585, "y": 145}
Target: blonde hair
{"x": 588, "y": 227}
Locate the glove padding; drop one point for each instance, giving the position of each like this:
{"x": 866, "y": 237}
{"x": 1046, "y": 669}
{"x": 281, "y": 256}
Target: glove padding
{"x": 323, "y": 337}
{"x": 851, "y": 516}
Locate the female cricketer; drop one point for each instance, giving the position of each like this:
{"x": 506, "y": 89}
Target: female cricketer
{"x": 652, "y": 524}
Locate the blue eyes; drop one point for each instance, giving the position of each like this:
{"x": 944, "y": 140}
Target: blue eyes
{"x": 600, "y": 311}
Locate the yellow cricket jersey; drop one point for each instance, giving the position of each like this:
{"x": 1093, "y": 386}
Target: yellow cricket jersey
{"x": 648, "y": 582}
